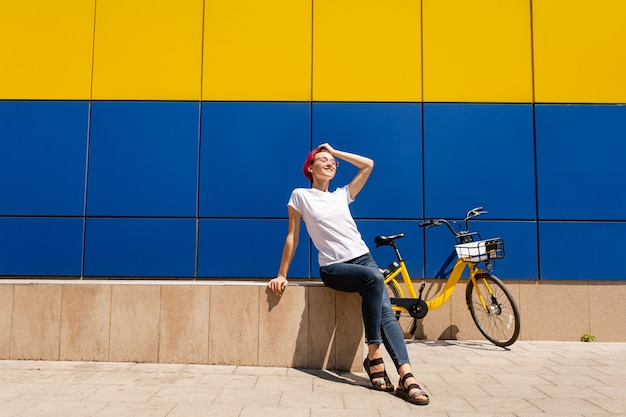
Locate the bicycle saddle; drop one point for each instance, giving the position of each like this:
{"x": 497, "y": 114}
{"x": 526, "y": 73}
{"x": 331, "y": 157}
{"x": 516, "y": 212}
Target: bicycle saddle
{"x": 387, "y": 240}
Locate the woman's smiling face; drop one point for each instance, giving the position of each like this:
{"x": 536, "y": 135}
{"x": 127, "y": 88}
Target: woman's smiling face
{"x": 324, "y": 166}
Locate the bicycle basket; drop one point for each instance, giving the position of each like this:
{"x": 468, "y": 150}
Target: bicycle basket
{"x": 481, "y": 250}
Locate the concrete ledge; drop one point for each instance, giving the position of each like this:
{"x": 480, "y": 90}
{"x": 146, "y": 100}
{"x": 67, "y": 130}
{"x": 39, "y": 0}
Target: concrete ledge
{"x": 205, "y": 322}
{"x": 242, "y": 323}
{"x": 550, "y": 311}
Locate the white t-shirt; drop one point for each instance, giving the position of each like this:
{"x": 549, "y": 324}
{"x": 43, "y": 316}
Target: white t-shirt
{"x": 329, "y": 223}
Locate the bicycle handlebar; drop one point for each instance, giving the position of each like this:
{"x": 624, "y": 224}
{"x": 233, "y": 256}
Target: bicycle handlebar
{"x": 475, "y": 212}
{"x": 429, "y": 223}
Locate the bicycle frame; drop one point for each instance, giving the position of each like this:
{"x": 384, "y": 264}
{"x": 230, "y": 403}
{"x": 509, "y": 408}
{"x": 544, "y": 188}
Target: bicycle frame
{"x": 446, "y": 292}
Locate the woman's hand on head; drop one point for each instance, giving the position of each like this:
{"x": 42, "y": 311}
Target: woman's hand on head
{"x": 278, "y": 285}
{"x": 327, "y": 147}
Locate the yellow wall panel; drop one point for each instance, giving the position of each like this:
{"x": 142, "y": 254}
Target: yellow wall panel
{"x": 477, "y": 51}
{"x": 148, "y": 49}
{"x": 366, "y": 50}
{"x": 580, "y": 51}
{"x": 46, "y": 49}
{"x": 257, "y": 50}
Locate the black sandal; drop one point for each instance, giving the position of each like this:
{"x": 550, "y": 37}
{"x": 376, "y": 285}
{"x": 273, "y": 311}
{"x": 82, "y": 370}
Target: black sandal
{"x": 403, "y": 392}
{"x": 380, "y": 385}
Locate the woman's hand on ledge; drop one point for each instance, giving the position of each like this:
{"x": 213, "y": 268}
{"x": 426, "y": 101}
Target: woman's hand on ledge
{"x": 278, "y": 285}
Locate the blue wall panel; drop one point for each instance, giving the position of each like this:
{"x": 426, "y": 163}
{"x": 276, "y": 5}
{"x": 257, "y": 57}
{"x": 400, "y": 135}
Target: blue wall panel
{"x": 251, "y": 157}
{"x": 580, "y": 162}
{"x": 248, "y": 249}
{"x": 585, "y": 251}
{"x": 411, "y": 245}
{"x": 390, "y": 134}
{"x": 43, "y": 148}
{"x": 140, "y": 247}
{"x": 520, "y": 243}
{"x": 479, "y": 155}
{"x": 143, "y": 159}
{"x": 151, "y": 159}
{"x": 41, "y": 246}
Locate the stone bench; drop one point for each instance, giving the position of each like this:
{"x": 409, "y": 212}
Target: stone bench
{"x": 175, "y": 321}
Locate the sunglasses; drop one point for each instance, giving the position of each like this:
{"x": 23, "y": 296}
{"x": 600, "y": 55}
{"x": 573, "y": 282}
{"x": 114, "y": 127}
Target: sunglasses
{"x": 325, "y": 160}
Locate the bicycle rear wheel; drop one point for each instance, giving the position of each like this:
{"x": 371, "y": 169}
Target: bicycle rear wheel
{"x": 393, "y": 288}
{"x": 499, "y": 321}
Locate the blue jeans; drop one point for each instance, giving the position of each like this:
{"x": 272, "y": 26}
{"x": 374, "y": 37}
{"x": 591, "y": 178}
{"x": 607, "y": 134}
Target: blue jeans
{"x": 363, "y": 276}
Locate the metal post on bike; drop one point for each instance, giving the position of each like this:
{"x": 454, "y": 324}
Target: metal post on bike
{"x": 421, "y": 290}
{"x": 395, "y": 247}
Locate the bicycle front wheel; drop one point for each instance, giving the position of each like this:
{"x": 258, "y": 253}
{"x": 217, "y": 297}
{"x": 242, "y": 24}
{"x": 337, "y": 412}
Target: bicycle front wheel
{"x": 493, "y": 310}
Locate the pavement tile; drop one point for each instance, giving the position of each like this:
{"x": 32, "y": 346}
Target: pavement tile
{"x": 613, "y": 406}
{"x": 259, "y": 370}
{"x": 613, "y": 391}
{"x": 243, "y": 397}
{"x": 284, "y": 383}
{"x": 321, "y": 385}
{"x": 104, "y": 366}
{"x": 210, "y": 369}
{"x": 452, "y": 390}
{"x": 475, "y": 378}
{"x": 42, "y": 392}
{"x": 122, "y": 393}
{"x": 253, "y": 411}
{"x": 501, "y": 405}
{"x": 166, "y": 378}
{"x": 518, "y": 390}
{"x": 464, "y": 378}
{"x": 312, "y": 399}
{"x": 569, "y": 406}
{"x": 477, "y": 414}
{"x": 319, "y": 412}
{"x": 568, "y": 379}
{"x": 60, "y": 365}
{"x": 443, "y": 406}
{"x": 198, "y": 396}
{"x": 329, "y": 381}
{"x": 201, "y": 410}
{"x": 111, "y": 378}
{"x": 589, "y": 361}
{"x": 61, "y": 408}
{"x": 163, "y": 367}
{"x": 134, "y": 409}
{"x": 9, "y": 375}
{"x": 375, "y": 400}
{"x": 220, "y": 381}
{"x": 612, "y": 370}
{"x": 573, "y": 392}
{"x": 14, "y": 407}
{"x": 536, "y": 378}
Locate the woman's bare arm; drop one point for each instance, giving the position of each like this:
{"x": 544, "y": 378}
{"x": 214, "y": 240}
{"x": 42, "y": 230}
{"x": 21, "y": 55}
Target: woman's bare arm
{"x": 278, "y": 284}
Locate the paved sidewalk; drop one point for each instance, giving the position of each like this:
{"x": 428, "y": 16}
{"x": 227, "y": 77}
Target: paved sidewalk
{"x": 464, "y": 379}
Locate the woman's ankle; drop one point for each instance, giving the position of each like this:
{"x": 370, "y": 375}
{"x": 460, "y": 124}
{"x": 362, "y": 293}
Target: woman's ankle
{"x": 374, "y": 351}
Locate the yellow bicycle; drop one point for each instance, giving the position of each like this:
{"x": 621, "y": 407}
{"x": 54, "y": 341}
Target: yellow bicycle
{"x": 490, "y": 303}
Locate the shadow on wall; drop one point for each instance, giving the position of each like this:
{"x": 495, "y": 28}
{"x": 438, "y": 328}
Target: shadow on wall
{"x": 313, "y": 327}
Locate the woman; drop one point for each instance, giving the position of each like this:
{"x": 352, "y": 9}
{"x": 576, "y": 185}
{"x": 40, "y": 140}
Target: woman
{"x": 345, "y": 262}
